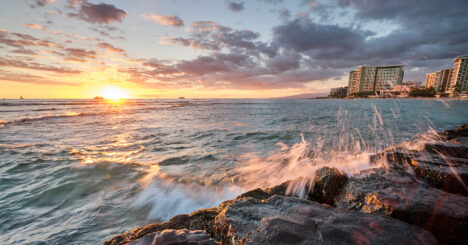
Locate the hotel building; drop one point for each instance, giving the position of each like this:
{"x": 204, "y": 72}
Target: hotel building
{"x": 431, "y": 79}
{"x": 459, "y": 74}
{"x": 338, "y": 92}
{"x": 374, "y": 79}
{"x": 439, "y": 80}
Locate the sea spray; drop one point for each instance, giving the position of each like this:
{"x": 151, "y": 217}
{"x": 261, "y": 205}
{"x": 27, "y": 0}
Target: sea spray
{"x": 208, "y": 152}
{"x": 166, "y": 197}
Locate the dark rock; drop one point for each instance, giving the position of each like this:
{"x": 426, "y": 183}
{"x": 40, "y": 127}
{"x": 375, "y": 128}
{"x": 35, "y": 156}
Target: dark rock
{"x": 288, "y": 220}
{"x": 448, "y": 174}
{"x": 327, "y": 183}
{"x": 256, "y": 194}
{"x": 175, "y": 237}
{"x": 448, "y": 149}
{"x": 199, "y": 220}
{"x": 461, "y": 131}
{"x": 385, "y": 192}
{"x": 443, "y": 172}
{"x": 279, "y": 190}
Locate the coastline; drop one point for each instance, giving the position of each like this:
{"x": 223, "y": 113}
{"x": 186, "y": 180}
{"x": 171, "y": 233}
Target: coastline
{"x": 416, "y": 193}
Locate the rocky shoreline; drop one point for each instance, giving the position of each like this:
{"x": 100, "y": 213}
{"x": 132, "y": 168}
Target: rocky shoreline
{"x": 416, "y": 194}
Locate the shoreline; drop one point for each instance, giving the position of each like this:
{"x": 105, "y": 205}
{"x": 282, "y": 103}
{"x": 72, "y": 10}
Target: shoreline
{"x": 419, "y": 194}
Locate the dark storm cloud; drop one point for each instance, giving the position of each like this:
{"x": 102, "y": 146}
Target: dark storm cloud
{"x": 428, "y": 34}
{"x": 235, "y": 6}
{"x": 429, "y": 28}
{"x": 97, "y": 13}
{"x": 303, "y": 35}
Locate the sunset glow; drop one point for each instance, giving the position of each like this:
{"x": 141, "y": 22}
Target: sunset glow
{"x": 209, "y": 48}
{"x": 114, "y": 93}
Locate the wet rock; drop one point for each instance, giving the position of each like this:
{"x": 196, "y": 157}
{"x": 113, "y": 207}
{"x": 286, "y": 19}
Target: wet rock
{"x": 400, "y": 196}
{"x": 199, "y": 220}
{"x": 279, "y": 190}
{"x": 447, "y": 149}
{"x": 288, "y": 220}
{"x": 459, "y": 132}
{"x": 327, "y": 183}
{"x": 175, "y": 237}
{"x": 448, "y": 174}
{"x": 443, "y": 172}
{"x": 256, "y": 194}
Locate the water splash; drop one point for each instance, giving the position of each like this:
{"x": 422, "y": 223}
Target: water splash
{"x": 166, "y": 197}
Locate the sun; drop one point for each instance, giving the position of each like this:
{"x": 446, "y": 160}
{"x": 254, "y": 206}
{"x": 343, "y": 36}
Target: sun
{"x": 114, "y": 93}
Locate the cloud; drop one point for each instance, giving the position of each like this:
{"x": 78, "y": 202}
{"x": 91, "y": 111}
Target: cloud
{"x": 41, "y": 3}
{"x": 426, "y": 37}
{"x": 24, "y": 51}
{"x": 19, "y": 40}
{"x": 304, "y": 35}
{"x": 235, "y": 6}
{"x": 210, "y": 35}
{"x": 97, "y": 13}
{"x": 31, "y": 79}
{"x": 36, "y": 66}
{"x": 77, "y": 54}
{"x": 273, "y": 1}
{"x": 284, "y": 14}
{"x": 237, "y": 61}
{"x": 165, "y": 20}
{"x": 34, "y": 26}
{"x": 111, "y": 48}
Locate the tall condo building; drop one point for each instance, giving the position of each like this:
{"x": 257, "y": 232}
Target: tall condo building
{"x": 431, "y": 79}
{"x": 374, "y": 79}
{"x": 443, "y": 81}
{"x": 439, "y": 80}
{"x": 353, "y": 83}
{"x": 459, "y": 76}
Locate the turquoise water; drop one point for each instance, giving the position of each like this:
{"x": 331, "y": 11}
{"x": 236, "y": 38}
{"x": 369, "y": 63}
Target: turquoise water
{"x": 82, "y": 171}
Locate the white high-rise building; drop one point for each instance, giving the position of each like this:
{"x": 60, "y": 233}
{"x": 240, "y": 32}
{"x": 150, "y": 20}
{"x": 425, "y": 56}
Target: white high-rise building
{"x": 374, "y": 79}
{"x": 459, "y": 76}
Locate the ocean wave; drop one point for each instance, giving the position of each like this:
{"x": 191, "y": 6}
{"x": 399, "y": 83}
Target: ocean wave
{"x": 51, "y": 116}
{"x": 166, "y": 197}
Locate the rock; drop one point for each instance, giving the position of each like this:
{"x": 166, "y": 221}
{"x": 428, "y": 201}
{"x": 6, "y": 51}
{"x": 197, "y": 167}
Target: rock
{"x": 459, "y": 132}
{"x": 289, "y": 220}
{"x": 175, "y": 237}
{"x": 327, "y": 182}
{"x": 447, "y": 149}
{"x": 256, "y": 194}
{"x": 199, "y": 220}
{"x": 443, "y": 172}
{"x": 400, "y": 196}
{"x": 279, "y": 190}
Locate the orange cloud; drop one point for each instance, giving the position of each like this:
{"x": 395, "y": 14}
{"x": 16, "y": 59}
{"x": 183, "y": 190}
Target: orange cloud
{"x": 165, "y": 20}
{"x": 34, "y": 26}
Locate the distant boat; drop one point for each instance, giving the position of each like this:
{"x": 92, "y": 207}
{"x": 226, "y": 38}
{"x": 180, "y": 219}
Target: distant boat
{"x": 181, "y": 98}
{"x": 98, "y": 98}
{"x": 21, "y": 98}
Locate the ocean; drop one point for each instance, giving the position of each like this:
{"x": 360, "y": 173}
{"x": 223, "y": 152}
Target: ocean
{"x": 82, "y": 171}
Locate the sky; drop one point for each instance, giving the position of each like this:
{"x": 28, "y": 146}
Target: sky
{"x": 218, "y": 48}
